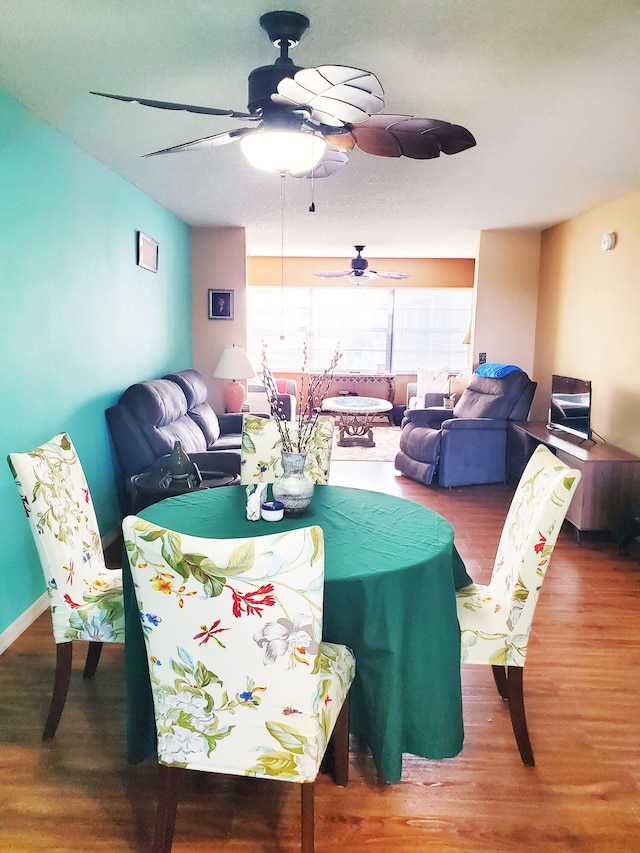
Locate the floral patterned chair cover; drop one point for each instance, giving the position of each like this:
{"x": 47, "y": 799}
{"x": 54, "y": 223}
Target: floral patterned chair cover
{"x": 260, "y": 454}
{"x": 242, "y": 682}
{"x": 84, "y": 596}
{"x": 495, "y": 620}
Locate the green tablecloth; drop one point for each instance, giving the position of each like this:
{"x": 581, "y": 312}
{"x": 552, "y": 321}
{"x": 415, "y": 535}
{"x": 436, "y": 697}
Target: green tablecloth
{"x": 391, "y": 571}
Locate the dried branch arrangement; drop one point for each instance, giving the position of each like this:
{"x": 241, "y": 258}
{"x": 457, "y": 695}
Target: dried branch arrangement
{"x": 311, "y": 393}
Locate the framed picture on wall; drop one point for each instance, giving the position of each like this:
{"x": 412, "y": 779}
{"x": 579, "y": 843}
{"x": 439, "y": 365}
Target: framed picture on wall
{"x": 221, "y": 304}
{"x": 147, "y": 252}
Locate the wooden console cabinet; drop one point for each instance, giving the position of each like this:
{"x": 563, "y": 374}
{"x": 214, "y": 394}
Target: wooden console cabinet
{"x": 610, "y": 484}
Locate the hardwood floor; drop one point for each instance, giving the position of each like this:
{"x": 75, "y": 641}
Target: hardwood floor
{"x": 582, "y": 688}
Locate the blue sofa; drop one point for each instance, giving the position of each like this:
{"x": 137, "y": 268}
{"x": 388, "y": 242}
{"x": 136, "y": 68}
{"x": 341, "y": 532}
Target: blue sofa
{"x": 466, "y": 445}
{"x": 151, "y": 416}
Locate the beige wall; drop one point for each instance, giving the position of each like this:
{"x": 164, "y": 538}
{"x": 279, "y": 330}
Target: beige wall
{"x": 218, "y": 261}
{"x": 506, "y": 285}
{"x": 589, "y": 316}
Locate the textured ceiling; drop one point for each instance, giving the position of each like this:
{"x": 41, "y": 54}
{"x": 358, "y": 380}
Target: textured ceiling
{"x": 549, "y": 88}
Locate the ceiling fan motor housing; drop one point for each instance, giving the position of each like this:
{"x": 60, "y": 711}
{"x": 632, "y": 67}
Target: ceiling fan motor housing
{"x": 285, "y": 29}
{"x": 263, "y": 82}
{"x": 359, "y": 264}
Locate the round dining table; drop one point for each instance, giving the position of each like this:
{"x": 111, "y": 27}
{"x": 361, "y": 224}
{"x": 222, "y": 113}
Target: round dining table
{"x": 391, "y": 571}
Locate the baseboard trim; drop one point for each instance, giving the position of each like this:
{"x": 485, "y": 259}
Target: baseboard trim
{"x": 11, "y": 634}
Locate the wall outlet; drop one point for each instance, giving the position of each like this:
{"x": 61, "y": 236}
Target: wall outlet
{"x": 482, "y": 358}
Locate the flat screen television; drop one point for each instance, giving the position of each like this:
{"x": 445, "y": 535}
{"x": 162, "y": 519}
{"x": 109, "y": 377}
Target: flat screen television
{"x": 570, "y": 405}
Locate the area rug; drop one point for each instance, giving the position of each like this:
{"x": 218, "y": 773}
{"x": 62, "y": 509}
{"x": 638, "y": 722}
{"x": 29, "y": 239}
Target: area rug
{"x": 387, "y": 439}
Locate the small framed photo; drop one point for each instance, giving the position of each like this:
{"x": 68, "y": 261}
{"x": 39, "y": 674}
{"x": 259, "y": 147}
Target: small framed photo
{"x": 221, "y": 304}
{"x": 147, "y": 252}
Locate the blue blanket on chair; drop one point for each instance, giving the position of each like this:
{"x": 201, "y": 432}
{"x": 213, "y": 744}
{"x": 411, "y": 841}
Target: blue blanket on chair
{"x": 495, "y": 370}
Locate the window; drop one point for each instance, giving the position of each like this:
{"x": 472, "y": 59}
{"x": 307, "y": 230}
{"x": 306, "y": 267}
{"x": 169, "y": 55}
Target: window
{"x": 378, "y": 329}
{"x": 429, "y": 325}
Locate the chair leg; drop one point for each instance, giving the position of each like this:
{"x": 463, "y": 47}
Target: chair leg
{"x": 64, "y": 654}
{"x": 516, "y": 711}
{"x": 509, "y": 683}
{"x": 500, "y": 677}
{"x": 93, "y": 656}
{"x": 166, "y": 810}
{"x": 307, "y": 802}
{"x": 340, "y": 746}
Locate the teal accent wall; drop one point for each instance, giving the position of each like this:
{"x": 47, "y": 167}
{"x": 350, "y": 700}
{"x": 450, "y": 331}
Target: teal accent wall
{"x": 79, "y": 320}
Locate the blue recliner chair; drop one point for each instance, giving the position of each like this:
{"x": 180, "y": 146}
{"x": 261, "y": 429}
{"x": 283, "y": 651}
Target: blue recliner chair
{"x": 467, "y": 445}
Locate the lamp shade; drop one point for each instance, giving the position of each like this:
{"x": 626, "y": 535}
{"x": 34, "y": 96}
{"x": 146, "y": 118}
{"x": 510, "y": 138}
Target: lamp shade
{"x": 234, "y": 364}
{"x": 283, "y": 150}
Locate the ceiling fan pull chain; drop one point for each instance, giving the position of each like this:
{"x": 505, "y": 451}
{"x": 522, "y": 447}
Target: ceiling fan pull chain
{"x": 312, "y": 205}
{"x": 282, "y": 200}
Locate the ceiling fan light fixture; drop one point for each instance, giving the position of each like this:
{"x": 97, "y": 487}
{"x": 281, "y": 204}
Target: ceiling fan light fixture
{"x": 283, "y": 151}
{"x": 361, "y": 276}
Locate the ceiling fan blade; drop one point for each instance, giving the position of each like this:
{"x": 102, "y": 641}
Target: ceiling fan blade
{"x": 332, "y": 274}
{"x": 450, "y": 138}
{"x": 456, "y": 138}
{"x": 337, "y": 94}
{"x": 190, "y": 108}
{"x": 406, "y": 136}
{"x": 394, "y": 275}
{"x": 333, "y": 159}
{"x": 206, "y": 141}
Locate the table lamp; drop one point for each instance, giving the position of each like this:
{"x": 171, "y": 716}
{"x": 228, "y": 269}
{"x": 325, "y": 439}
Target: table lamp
{"x": 234, "y": 365}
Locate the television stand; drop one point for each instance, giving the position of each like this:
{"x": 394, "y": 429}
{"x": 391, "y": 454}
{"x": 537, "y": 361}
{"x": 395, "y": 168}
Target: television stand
{"x": 610, "y": 483}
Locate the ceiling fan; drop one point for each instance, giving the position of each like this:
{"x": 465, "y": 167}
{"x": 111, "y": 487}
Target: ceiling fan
{"x": 326, "y": 111}
{"x": 360, "y": 272}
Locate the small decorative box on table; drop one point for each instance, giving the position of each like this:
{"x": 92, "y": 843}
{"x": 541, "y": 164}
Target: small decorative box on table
{"x": 355, "y": 415}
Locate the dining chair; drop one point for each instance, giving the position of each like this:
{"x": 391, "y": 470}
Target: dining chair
{"x": 260, "y": 453}
{"x": 85, "y": 597}
{"x": 242, "y": 683}
{"x": 495, "y": 619}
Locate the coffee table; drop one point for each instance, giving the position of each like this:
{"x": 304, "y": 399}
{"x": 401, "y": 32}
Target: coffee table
{"x": 355, "y": 416}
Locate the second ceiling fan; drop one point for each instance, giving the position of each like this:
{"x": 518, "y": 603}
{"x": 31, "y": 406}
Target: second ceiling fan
{"x": 360, "y": 272}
